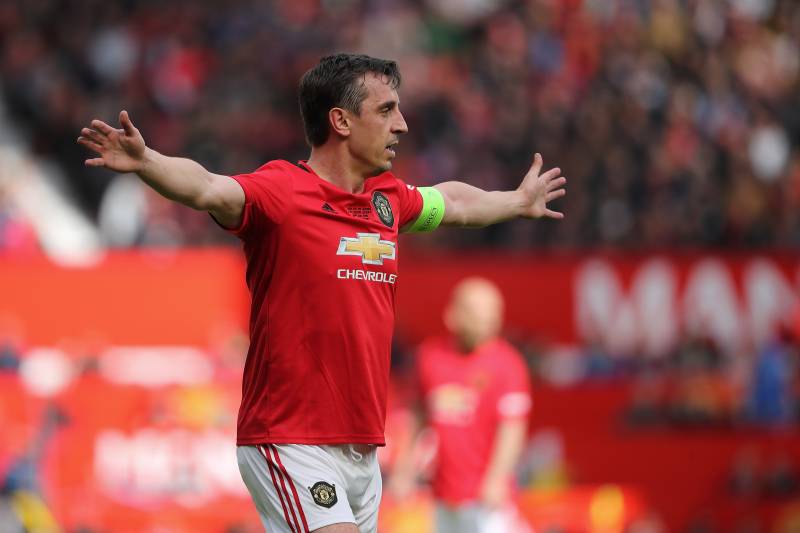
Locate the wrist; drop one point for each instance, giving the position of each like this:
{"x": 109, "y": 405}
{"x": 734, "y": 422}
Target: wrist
{"x": 519, "y": 203}
{"x": 147, "y": 161}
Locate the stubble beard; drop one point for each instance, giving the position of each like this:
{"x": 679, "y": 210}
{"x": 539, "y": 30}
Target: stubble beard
{"x": 379, "y": 169}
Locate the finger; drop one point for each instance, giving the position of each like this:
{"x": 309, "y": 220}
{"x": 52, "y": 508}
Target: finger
{"x": 555, "y": 184}
{"x": 549, "y": 213}
{"x": 96, "y": 162}
{"x": 537, "y": 164}
{"x": 552, "y": 195}
{"x": 550, "y": 174}
{"x": 94, "y": 135}
{"x": 90, "y": 144}
{"x": 126, "y": 123}
{"x": 102, "y": 127}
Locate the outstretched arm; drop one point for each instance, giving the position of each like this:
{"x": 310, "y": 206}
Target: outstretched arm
{"x": 179, "y": 179}
{"x": 465, "y": 205}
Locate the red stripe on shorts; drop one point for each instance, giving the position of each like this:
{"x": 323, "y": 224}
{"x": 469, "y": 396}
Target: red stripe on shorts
{"x": 277, "y": 489}
{"x": 285, "y": 491}
{"x": 294, "y": 490}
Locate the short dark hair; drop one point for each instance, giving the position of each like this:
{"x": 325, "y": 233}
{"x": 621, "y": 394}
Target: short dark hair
{"x": 338, "y": 81}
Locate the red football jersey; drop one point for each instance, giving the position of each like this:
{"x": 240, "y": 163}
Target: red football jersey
{"x": 465, "y": 398}
{"x": 322, "y": 273}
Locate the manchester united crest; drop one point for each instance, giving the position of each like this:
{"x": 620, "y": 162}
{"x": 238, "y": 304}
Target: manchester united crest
{"x": 324, "y": 494}
{"x": 383, "y": 208}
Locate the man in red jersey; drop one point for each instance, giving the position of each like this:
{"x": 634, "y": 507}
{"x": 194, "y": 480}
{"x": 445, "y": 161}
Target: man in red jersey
{"x": 475, "y": 395}
{"x": 320, "y": 239}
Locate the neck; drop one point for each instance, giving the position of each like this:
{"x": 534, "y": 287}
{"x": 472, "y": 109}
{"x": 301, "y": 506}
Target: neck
{"x": 333, "y": 163}
{"x": 468, "y": 345}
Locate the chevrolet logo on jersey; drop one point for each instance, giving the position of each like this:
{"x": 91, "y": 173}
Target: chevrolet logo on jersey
{"x": 369, "y": 246}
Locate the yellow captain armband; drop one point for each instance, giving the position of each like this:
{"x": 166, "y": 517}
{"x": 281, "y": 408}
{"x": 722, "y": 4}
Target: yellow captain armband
{"x": 432, "y": 211}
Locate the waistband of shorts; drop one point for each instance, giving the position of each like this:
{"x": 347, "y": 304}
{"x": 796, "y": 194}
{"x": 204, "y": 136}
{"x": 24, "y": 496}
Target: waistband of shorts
{"x": 364, "y": 448}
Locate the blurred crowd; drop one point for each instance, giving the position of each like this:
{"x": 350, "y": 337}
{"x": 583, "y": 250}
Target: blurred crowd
{"x": 700, "y": 386}
{"x": 675, "y": 121}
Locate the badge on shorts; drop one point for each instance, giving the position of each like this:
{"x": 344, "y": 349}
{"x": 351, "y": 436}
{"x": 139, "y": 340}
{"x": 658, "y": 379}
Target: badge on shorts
{"x": 324, "y": 494}
{"x": 383, "y": 208}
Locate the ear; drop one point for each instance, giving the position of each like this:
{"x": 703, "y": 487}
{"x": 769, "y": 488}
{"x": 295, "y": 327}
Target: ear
{"x": 339, "y": 120}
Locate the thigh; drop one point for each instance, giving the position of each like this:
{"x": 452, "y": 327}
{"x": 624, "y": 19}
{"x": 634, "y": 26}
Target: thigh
{"x": 296, "y": 488}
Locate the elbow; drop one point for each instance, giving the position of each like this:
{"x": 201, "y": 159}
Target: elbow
{"x": 201, "y": 202}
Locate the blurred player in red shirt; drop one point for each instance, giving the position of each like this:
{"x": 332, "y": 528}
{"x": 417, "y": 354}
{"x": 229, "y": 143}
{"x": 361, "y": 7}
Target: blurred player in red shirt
{"x": 320, "y": 239}
{"x": 475, "y": 395}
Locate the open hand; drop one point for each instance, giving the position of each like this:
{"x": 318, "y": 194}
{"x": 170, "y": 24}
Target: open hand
{"x": 538, "y": 190}
{"x": 121, "y": 150}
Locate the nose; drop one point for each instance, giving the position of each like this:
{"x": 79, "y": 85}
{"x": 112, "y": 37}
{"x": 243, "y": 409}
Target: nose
{"x": 399, "y": 127}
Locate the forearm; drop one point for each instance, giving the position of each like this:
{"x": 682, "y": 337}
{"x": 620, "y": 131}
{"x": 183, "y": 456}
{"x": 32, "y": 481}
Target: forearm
{"x": 176, "y": 178}
{"x": 470, "y": 206}
{"x": 508, "y": 445}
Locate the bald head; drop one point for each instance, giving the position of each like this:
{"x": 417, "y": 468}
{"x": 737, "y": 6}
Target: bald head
{"x": 475, "y": 312}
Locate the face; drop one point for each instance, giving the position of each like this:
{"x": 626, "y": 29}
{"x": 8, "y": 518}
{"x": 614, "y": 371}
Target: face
{"x": 475, "y": 313}
{"x": 376, "y": 130}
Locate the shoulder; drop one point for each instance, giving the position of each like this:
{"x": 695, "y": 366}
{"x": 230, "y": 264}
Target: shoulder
{"x": 278, "y": 168}
{"x": 503, "y": 351}
{"x": 505, "y": 347}
{"x": 388, "y": 182}
{"x": 274, "y": 177}
{"x": 270, "y": 190}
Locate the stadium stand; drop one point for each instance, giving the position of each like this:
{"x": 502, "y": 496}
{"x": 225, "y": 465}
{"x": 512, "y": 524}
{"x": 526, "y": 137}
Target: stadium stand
{"x": 674, "y": 121}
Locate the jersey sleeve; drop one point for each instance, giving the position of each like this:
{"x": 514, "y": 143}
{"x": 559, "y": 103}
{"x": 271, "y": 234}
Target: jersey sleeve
{"x": 514, "y": 399}
{"x": 421, "y": 208}
{"x": 410, "y": 203}
{"x": 267, "y": 198}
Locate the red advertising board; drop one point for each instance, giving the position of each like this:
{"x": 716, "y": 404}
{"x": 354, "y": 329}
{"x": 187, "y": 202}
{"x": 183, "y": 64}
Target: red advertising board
{"x": 633, "y": 302}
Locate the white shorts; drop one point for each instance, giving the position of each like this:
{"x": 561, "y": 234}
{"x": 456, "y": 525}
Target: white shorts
{"x": 298, "y": 488}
